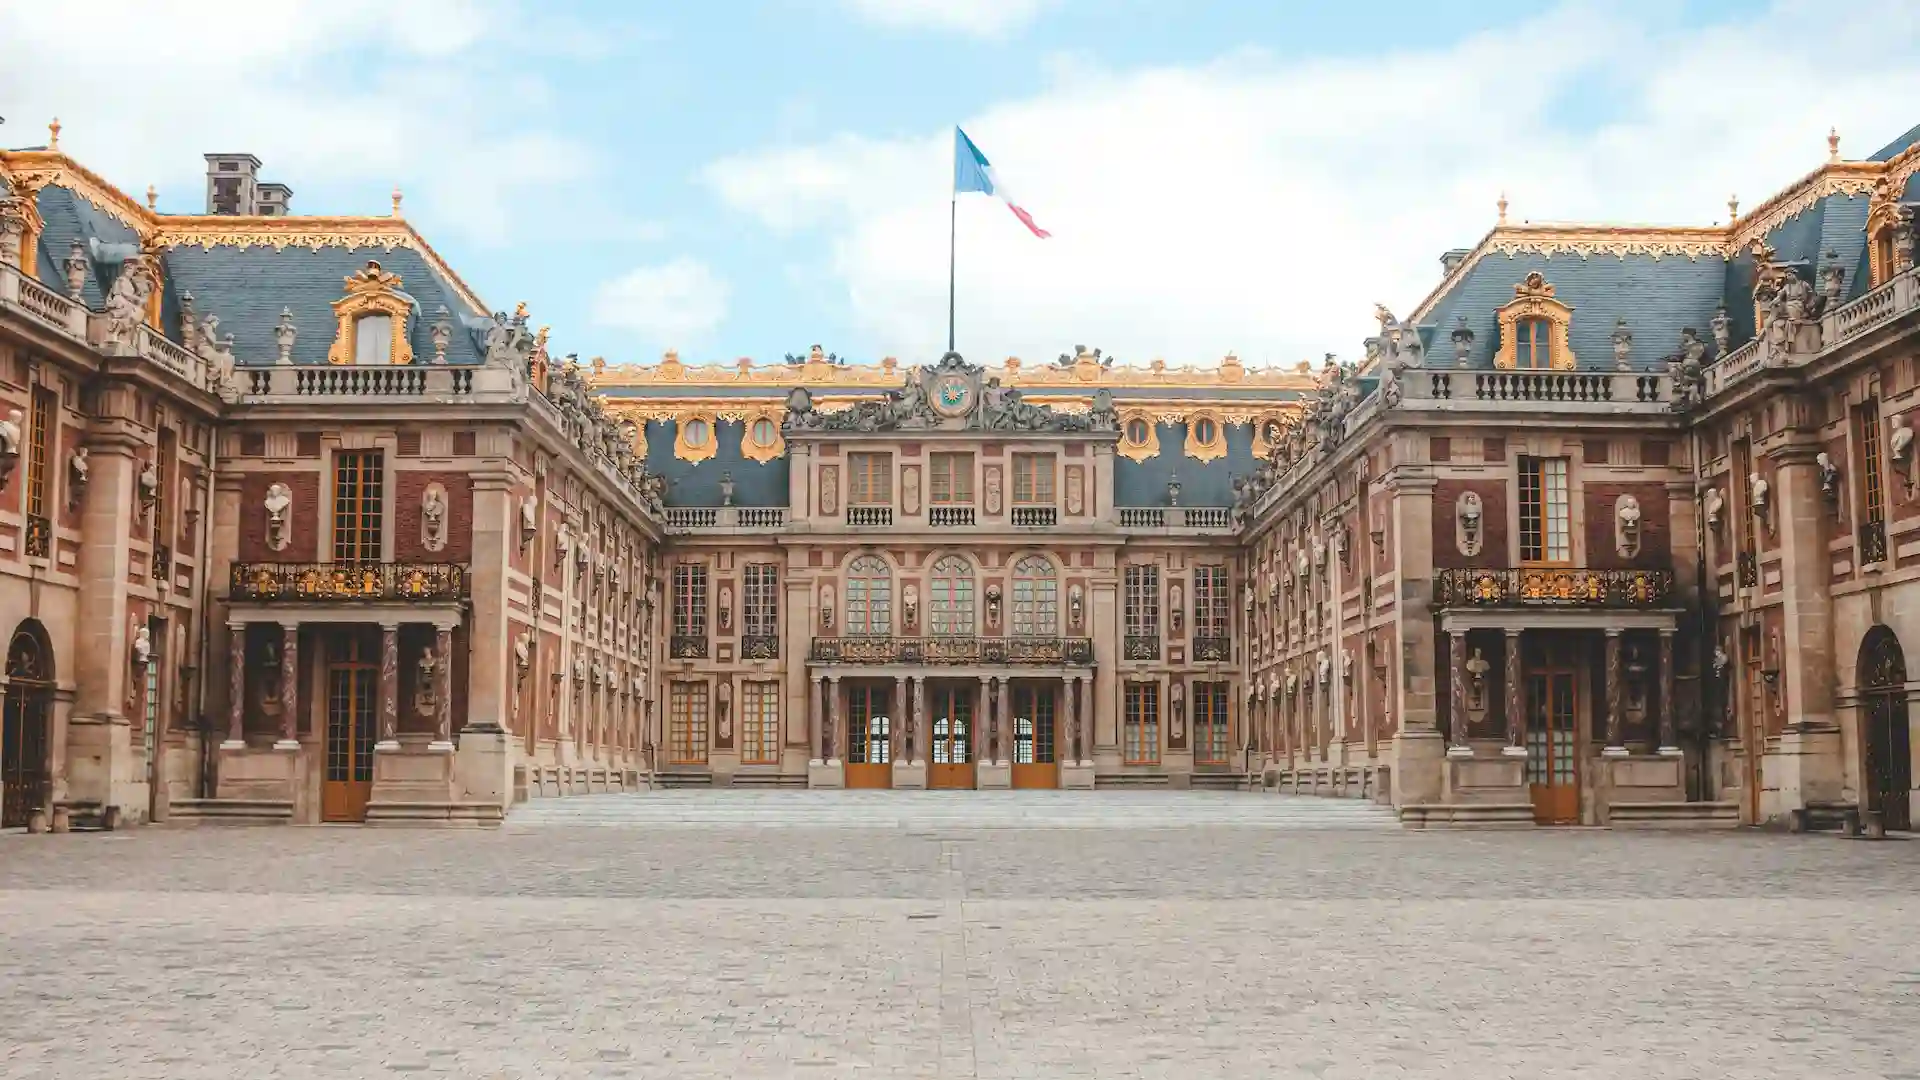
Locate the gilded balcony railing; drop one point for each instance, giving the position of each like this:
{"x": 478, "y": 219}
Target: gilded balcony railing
{"x": 1552, "y": 586}
{"x": 39, "y": 536}
{"x": 1142, "y": 647}
{"x": 348, "y": 581}
{"x": 951, "y": 650}
{"x": 1212, "y": 648}
{"x": 688, "y": 646}
{"x": 760, "y": 647}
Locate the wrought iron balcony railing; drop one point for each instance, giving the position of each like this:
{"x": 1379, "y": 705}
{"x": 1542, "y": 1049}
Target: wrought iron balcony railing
{"x": 163, "y": 564}
{"x": 348, "y": 581}
{"x": 1142, "y": 647}
{"x": 1873, "y": 542}
{"x": 1552, "y": 586}
{"x": 688, "y": 647}
{"x": 39, "y": 537}
{"x": 1747, "y": 566}
{"x": 760, "y": 647}
{"x": 952, "y": 650}
{"x": 1212, "y": 648}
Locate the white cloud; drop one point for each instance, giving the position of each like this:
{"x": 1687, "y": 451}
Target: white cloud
{"x": 431, "y": 95}
{"x": 666, "y": 305}
{"x": 1263, "y": 207}
{"x": 980, "y": 18}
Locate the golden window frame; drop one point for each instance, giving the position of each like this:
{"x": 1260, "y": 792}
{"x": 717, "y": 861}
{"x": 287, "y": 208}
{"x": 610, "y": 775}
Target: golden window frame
{"x": 1533, "y": 299}
{"x": 1207, "y": 451}
{"x": 688, "y": 452}
{"x": 372, "y": 291}
{"x": 753, "y": 451}
{"x": 1146, "y": 448}
{"x": 1882, "y": 215}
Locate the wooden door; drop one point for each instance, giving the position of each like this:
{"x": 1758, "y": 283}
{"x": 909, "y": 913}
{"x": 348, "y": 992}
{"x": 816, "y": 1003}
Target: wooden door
{"x": 352, "y": 725}
{"x": 869, "y": 760}
{"x": 951, "y": 765}
{"x": 1553, "y": 767}
{"x": 1884, "y": 731}
{"x": 1033, "y": 736}
{"x": 26, "y": 728}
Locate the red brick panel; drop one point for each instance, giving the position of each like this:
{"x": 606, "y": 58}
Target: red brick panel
{"x": 1494, "y": 548}
{"x": 1656, "y": 540}
{"x": 408, "y": 486}
{"x": 303, "y": 533}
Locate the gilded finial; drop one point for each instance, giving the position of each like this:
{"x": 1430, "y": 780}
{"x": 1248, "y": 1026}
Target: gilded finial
{"x": 396, "y": 200}
{"x": 53, "y": 134}
{"x": 520, "y": 311}
{"x": 1833, "y": 144}
{"x": 1502, "y": 204}
{"x": 153, "y": 198}
{"x": 1733, "y": 209}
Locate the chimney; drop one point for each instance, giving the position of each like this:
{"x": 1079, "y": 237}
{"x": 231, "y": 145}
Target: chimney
{"x": 1452, "y": 259}
{"x": 273, "y": 200}
{"x": 232, "y": 183}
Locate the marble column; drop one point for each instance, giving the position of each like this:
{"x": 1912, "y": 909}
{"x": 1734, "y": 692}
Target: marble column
{"x": 817, "y": 717}
{"x": 1669, "y": 719}
{"x": 1615, "y": 745}
{"x": 983, "y": 710}
{"x": 1516, "y": 698}
{"x": 831, "y": 728}
{"x": 898, "y": 732}
{"x": 389, "y": 687}
{"x": 1457, "y": 745}
{"x": 1072, "y": 693}
{"x": 289, "y": 687}
{"x": 236, "y": 686}
{"x": 918, "y": 731}
{"x": 443, "y": 685}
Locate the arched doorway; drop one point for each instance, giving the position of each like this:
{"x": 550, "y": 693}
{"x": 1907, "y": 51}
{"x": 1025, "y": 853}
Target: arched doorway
{"x": 26, "y": 730}
{"x": 1883, "y": 728}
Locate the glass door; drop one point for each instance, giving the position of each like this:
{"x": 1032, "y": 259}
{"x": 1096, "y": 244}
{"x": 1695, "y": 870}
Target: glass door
{"x": 869, "y": 759}
{"x": 1553, "y": 774}
{"x": 1033, "y": 735}
{"x": 951, "y": 763}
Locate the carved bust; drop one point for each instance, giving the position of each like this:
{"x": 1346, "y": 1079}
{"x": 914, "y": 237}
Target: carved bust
{"x": 433, "y": 517}
{"x": 279, "y": 507}
{"x": 1829, "y": 476}
{"x": 142, "y": 645}
{"x": 1762, "y": 492}
{"x": 1626, "y": 531}
{"x": 1477, "y": 668}
{"x": 1713, "y": 503}
{"x": 1467, "y": 512}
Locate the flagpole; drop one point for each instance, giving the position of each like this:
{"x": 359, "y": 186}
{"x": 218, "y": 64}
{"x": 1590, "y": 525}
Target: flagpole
{"x": 953, "y": 217}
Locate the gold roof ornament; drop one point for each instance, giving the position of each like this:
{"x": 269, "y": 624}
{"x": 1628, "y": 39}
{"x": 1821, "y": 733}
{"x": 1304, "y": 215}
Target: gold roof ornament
{"x": 1502, "y": 204}
{"x": 1733, "y": 209}
{"x": 153, "y": 199}
{"x": 53, "y": 134}
{"x": 396, "y": 200}
{"x": 1833, "y": 145}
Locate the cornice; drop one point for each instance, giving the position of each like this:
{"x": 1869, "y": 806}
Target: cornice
{"x": 1082, "y": 376}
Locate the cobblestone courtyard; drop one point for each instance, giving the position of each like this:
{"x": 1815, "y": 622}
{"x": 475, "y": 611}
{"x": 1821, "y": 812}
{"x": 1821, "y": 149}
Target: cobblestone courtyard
{"x": 1245, "y": 946}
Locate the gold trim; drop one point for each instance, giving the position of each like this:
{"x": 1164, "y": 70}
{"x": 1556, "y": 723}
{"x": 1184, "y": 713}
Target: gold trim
{"x": 1263, "y": 446}
{"x": 1207, "y": 451}
{"x": 755, "y": 452}
{"x": 686, "y": 451}
{"x": 1144, "y": 449}
{"x": 372, "y": 291}
{"x": 1533, "y": 299}
{"x": 1085, "y": 375}
{"x": 1883, "y": 213}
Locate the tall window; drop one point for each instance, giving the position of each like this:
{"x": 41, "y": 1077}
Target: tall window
{"x": 373, "y": 339}
{"x": 1210, "y": 723}
{"x": 869, "y": 728}
{"x": 357, "y": 483}
{"x": 952, "y": 483}
{"x": 1883, "y": 256}
{"x": 1533, "y": 343}
{"x": 39, "y": 437}
{"x": 687, "y": 722}
{"x": 1143, "y": 601}
{"x": 870, "y": 479}
{"x": 156, "y": 663}
{"x": 166, "y": 451}
{"x": 1036, "y": 598}
{"x": 1033, "y": 479}
{"x": 759, "y": 723}
{"x": 869, "y": 596}
{"x": 1141, "y": 738}
{"x": 760, "y": 600}
{"x": 1873, "y": 492}
{"x": 952, "y": 585}
{"x": 1545, "y": 534}
{"x": 690, "y": 600}
{"x": 1210, "y": 601}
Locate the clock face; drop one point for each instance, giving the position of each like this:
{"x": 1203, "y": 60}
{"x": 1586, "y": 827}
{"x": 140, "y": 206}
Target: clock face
{"x": 952, "y": 395}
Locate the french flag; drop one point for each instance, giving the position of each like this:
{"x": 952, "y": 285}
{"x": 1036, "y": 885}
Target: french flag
{"x": 973, "y": 172}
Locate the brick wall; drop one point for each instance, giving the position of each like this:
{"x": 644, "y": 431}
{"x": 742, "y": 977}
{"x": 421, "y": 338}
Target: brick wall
{"x": 303, "y": 534}
{"x": 1494, "y": 547}
{"x": 408, "y": 486}
{"x": 1656, "y": 539}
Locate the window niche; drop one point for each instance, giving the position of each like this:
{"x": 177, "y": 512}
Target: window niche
{"x": 372, "y": 320}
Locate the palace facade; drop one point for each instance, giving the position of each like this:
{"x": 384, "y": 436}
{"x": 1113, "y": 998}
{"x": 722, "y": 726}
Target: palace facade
{"x": 1611, "y": 529}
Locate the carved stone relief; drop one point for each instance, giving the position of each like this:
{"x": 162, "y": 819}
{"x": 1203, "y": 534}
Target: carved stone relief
{"x": 991, "y": 485}
{"x": 910, "y": 489}
{"x": 829, "y": 490}
{"x": 433, "y": 517}
{"x": 726, "y": 608}
{"x": 826, "y": 605}
{"x": 1467, "y": 516}
{"x": 1076, "y": 499}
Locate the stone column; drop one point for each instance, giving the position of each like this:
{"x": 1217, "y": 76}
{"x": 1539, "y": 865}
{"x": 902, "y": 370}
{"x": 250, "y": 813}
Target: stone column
{"x": 1072, "y": 689}
{"x": 1516, "y": 698}
{"x": 898, "y": 733}
{"x": 1803, "y": 524}
{"x": 1457, "y": 745}
{"x": 236, "y": 686}
{"x": 919, "y": 721}
{"x": 816, "y": 717}
{"x": 831, "y": 728}
{"x": 1669, "y": 740}
{"x": 289, "y": 687}
{"x": 983, "y": 710}
{"x": 1615, "y": 744}
{"x": 496, "y": 536}
{"x": 443, "y": 686}
{"x": 389, "y": 687}
{"x": 99, "y": 751}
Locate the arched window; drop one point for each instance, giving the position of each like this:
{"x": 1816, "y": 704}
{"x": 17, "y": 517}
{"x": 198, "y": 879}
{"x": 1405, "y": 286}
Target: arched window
{"x": 373, "y": 339}
{"x": 1036, "y": 598}
{"x": 869, "y": 596}
{"x": 952, "y": 586}
{"x": 1533, "y": 344}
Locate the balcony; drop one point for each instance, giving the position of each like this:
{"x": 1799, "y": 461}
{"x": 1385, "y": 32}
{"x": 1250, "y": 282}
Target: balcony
{"x": 1748, "y": 570}
{"x": 1212, "y": 649}
{"x": 1553, "y": 586}
{"x": 162, "y": 564}
{"x": 1039, "y": 651}
{"x": 320, "y": 582}
{"x": 303, "y": 382}
{"x": 1202, "y": 518}
{"x": 686, "y": 519}
{"x": 1141, "y": 647}
{"x": 1873, "y": 542}
{"x": 868, "y": 516}
{"x": 1559, "y": 391}
{"x": 1039, "y": 517}
{"x": 39, "y": 537}
{"x": 688, "y": 647}
{"x": 1898, "y": 297}
{"x": 942, "y": 516}
{"x": 760, "y": 647}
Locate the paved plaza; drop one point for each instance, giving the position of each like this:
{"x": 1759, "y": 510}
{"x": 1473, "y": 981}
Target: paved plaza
{"x": 1191, "y": 935}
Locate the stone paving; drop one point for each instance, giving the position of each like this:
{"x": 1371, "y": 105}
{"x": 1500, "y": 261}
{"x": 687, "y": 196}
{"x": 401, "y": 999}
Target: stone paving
{"x": 1270, "y": 948}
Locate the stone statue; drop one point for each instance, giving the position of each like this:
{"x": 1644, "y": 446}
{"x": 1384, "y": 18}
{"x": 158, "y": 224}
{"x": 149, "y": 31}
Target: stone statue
{"x": 1477, "y": 668}
{"x": 529, "y": 510}
{"x": 126, "y": 307}
{"x": 1468, "y": 512}
{"x": 1102, "y": 417}
{"x": 78, "y": 469}
{"x": 1833, "y": 283}
{"x": 9, "y": 442}
{"x": 1796, "y": 297}
{"x": 1722, "y": 328}
{"x": 284, "y": 334}
{"x": 1757, "y": 484}
{"x": 1899, "y": 439}
{"x": 1626, "y": 513}
{"x": 523, "y": 652}
{"x": 1462, "y": 336}
{"x": 433, "y": 517}
{"x": 278, "y": 504}
{"x": 440, "y": 333}
{"x": 1712, "y": 504}
{"x": 1829, "y": 476}
{"x": 426, "y": 692}
{"x": 1622, "y": 344}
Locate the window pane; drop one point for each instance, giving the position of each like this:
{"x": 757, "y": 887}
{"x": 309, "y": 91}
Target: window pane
{"x": 1559, "y": 542}
{"x": 373, "y": 339}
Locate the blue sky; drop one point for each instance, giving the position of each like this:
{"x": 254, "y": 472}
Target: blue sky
{"x": 752, "y": 176}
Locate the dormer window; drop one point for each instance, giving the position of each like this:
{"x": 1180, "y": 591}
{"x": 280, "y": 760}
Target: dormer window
{"x": 372, "y": 339}
{"x": 1533, "y": 343}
